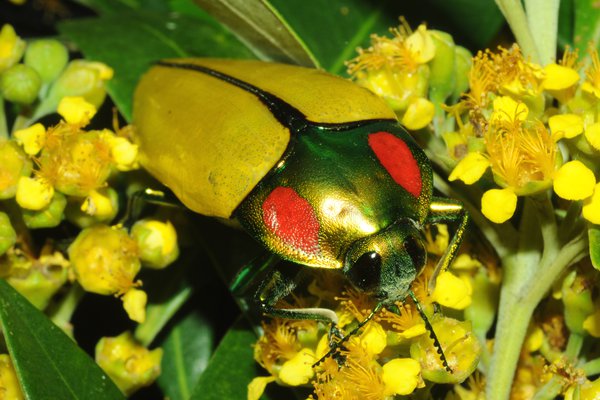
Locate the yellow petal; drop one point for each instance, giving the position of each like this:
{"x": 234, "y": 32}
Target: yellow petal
{"x": 98, "y": 204}
{"x": 452, "y": 291}
{"x": 498, "y": 205}
{"x": 257, "y": 386}
{"x": 374, "y": 338}
{"x": 298, "y": 370}
{"x": 534, "y": 340}
{"x": 34, "y": 193}
{"x": 401, "y": 376}
{"x": 418, "y": 114}
{"x": 591, "y": 206}
{"x": 32, "y": 139}
{"x": 592, "y": 324}
{"x": 592, "y": 134}
{"x": 574, "y": 181}
{"x": 421, "y": 45}
{"x": 414, "y": 331}
{"x": 470, "y": 168}
{"x": 558, "y": 77}
{"x": 76, "y": 110}
{"x": 134, "y": 303}
{"x": 565, "y": 125}
{"x": 508, "y": 109}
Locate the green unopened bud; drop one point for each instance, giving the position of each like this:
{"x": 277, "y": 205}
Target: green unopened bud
{"x": 442, "y": 68}
{"x": 577, "y": 300}
{"x": 130, "y": 365}
{"x": 460, "y": 346}
{"x": 80, "y": 79}
{"x": 42, "y": 280}
{"x": 8, "y": 236}
{"x": 14, "y": 164}
{"x": 463, "y": 60}
{"x": 105, "y": 260}
{"x": 157, "y": 242}
{"x": 20, "y": 84}
{"x": 49, "y": 216}
{"x": 11, "y": 47}
{"x": 482, "y": 310}
{"x": 48, "y": 57}
{"x": 9, "y": 383}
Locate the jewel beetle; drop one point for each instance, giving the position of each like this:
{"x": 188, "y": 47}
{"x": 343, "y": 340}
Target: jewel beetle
{"x": 314, "y": 167}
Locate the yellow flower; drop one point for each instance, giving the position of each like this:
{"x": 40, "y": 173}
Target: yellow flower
{"x": 592, "y": 134}
{"x": 565, "y": 125}
{"x": 374, "y": 338}
{"x": 534, "y": 339}
{"x": 592, "y": 74}
{"x": 99, "y": 204}
{"x": 76, "y": 110}
{"x": 498, "y": 205}
{"x": 32, "y": 139}
{"x": 14, "y": 164}
{"x": 257, "y": 386}
{"x": 452, "y": 291}
{"x": 559, "y": 77}
{"x": 298, "y": 370}
{"x": 157, "y": 242}
{"x": 124, "y": 153}
{"x": 421, "y": 45}
{"x": 11, "y": 47}
{"x": 401, "y": 376}
{"x": 592, "y": 323}
{"x": 470, "y": 168}
{"x": 134, "y": 303}
{"x": 506, "y": 109}
{"x": 418, "y": 114}
{"x": 591, "y": 206}
{"x": 34, "y": 193}
{"x": 574, "y": 181}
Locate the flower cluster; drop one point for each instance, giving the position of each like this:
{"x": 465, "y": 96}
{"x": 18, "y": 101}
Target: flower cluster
{"x": 393, "y": 354}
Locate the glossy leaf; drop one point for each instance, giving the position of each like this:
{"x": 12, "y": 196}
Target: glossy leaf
{"x": 594, "y": 238}
{"x": 262, "y": 28}
{"x": 115, "y": 40}
{"x": 565, "y": 23}
{"x": 49, "y": 364}
{"x": 587, "y": 24}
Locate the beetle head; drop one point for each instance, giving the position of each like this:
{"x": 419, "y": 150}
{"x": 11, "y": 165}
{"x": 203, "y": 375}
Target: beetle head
{"x": 386, "y": 263}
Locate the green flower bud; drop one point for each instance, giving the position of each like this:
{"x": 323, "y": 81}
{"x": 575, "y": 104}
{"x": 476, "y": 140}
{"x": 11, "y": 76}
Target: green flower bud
{"x": 11, "y": 47}
{"x": 442, "y": 68}
{"x": 48, "y": 57}
{"x": 463, "y": 60}
{"x": 14, "y": 164}
{"x": 41, "y": 280}
{"x": 130, "y": 365}
{"x": 9, "y": 383}
{"x": 105, "y": 260}
{"x": 461, "y": 348}
{"x": 8, "y": 236}
{"x": 48, "y": 217}
{"x": 157, "y": 242}
{"x": 482, "y": 310}
{"x": 20, "y": 84}
{"x": 577, "y": 300}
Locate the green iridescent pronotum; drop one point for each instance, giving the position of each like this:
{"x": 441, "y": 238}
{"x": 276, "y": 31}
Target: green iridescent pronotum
{"x": 313, "y": 166}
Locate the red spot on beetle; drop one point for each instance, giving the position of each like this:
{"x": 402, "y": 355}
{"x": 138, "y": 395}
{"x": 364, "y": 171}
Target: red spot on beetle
{"x": 292, "y": 218}
{"x": 398, "y": 160}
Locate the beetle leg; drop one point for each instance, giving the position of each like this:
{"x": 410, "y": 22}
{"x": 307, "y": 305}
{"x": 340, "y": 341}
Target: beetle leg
{"x": 447, "y": 210}
{"x": 137, "y": 200}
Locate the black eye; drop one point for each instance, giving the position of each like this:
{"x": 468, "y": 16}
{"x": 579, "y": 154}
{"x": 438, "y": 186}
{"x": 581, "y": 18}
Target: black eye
{"x": 366, "y": 271}
{"x": 416, "y": 251}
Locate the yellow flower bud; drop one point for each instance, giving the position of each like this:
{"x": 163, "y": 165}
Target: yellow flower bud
{"x": 401, "y": 376}
{"x": 32, "y": 139}
{"x": 498, "y": 205}
{"x": 9, "y": 383}
{"x": 421, "y": 45}
{"x": 14, "y": 164}
{"x": 257, "y": 386}
{"x": 8, "y": 236}
{"x": 134, "y": 303}
{"x": 34, "y": 193}
{"x": 100, "y": 204}
{"x": 591, "y": 206}
{"x": 592, "y": 134}
{"x": 418, "y": 114}
{"x": 130, "y": 365}
{"x": 452, "y": 291}
{"x": 105, "y": 260}
{"x": 470, "y": 169}
{"x": 11, "y": 47}
{"x": 76, "y": 110}
{"x": 124, "y": 153}
{"x": 298, "y": 370}
{"x": 373, "y": 338}
{"x": 559, "y": 77}
{"x": 157, "y": 242}
{"x": 565, "y": 125}
{"x": 534, "y": 339}
{"x": 574, "y": 181}
{"x": 49, "y": 216}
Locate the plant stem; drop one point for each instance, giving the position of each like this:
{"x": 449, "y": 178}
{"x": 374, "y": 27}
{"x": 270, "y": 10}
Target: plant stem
{"x": 591, "y": 367}
{"x": 3, "y": 125}
{"x": 62, "y": 315}
{"x": 517, "y": 20}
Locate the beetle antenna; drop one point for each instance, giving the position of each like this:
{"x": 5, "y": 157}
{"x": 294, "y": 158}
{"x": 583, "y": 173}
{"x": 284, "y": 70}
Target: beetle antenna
{"x": 432, "y": 335}
{"x": 335, "y": 346}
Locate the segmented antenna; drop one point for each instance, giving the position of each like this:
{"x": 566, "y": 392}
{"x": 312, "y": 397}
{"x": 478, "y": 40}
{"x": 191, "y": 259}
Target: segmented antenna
{"x": 432, "y": 335}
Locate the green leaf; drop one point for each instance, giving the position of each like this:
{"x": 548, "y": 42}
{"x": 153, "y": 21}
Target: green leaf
{"x": 131, "y": 42}
{"x": 262, "y": 28}
{"x": 186, "y": 352}
{"x": 49, "y": 364}
{"x": 587, "y": 24}
{"x": 594, "y": 238}
{"x": 565, "y": 23}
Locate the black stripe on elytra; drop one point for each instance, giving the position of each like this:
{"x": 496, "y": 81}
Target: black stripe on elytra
{"x": 285, "y": 113}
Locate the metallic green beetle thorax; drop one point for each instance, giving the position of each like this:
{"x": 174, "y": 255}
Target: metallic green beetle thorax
{"x": 335, "y": 186}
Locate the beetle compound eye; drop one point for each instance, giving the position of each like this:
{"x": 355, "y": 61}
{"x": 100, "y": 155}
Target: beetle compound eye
{"x": 416, "y": 251}
{"x": 366, "y": 271}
